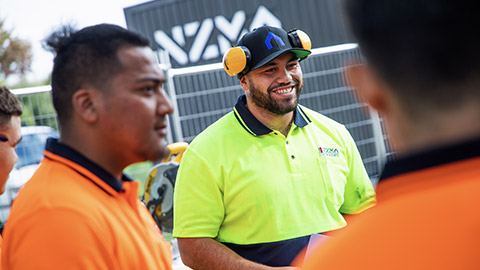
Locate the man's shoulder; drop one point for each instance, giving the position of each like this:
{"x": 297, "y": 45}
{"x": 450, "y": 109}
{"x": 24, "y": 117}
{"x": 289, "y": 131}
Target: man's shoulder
{"x": 220, "y": 128}
{"x": 221, "y": 139}
{"x": 56, "y": 186}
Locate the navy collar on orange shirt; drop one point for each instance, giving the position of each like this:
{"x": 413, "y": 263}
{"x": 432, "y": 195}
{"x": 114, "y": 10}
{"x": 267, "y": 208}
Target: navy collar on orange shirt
{"x": 433, "y": 157}
{"x": 65, "y": 151}
{"x": 255, "y": 126}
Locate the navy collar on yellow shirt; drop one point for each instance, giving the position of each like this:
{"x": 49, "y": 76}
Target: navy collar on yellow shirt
{"x": 254, "y": 126}
{"x": 65, "y": 151}
{"x": 433, "y": 157}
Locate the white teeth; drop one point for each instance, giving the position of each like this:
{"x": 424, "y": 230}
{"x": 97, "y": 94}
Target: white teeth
{"x": 284, "y": 91}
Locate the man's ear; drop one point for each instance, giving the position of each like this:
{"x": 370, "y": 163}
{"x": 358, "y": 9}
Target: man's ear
{"x": 244, "y": 83}
{"x": 84, "y": 104}
{"x": 368, "y": 86}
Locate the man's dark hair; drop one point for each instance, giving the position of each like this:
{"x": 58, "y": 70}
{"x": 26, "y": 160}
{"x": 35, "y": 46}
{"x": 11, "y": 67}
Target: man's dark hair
{"x": 86, "y": 58}
{"x": 426, "y": 50}
{"x": 9, "y": 105}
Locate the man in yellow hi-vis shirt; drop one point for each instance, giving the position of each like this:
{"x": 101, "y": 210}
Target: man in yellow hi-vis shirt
{"x": 255, "y": 185}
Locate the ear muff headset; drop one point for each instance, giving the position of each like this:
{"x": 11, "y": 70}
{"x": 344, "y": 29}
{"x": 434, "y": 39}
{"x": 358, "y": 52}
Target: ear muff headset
{"x": 236, "y": 61}
{"x": 299, "y": 39}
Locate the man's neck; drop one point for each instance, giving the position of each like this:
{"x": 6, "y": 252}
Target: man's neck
{"x": 93, "y": 152}
{"x": 440, "y": 129}
{"x": 281, "y": 123}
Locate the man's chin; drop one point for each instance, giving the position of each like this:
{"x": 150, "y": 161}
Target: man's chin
{"x": 161, "y": 153}
{"x": 164, "y": 153}
{"x": 154, "y": 155}
{"x": 285, "y": 108}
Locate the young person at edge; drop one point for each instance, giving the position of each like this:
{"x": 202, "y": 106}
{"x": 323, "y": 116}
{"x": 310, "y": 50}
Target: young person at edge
{"x": 10, "y": 136}
{"x": 422, "y": 74}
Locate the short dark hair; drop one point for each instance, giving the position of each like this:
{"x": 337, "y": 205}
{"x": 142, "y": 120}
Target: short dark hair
{"x": 9, "y": 105}
{"x": 86, "y": 58}
{"x": 427, "y": 51}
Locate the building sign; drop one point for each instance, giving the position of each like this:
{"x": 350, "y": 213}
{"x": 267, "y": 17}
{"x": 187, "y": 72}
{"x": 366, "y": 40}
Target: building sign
{"x": 201, "y": 32}
{"x": 198, "y": 32}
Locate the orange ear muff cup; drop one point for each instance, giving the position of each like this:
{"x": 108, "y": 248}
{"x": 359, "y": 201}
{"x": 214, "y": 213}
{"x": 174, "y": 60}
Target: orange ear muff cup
{"x": 235, "y": 60}
{"x": 304, "y": 39}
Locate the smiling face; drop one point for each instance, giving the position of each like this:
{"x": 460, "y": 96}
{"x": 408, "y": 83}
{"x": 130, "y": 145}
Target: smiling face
{"x": 133, "y": 117}
{"x": 274, "y": 87}
{"x": 10, "y": 136}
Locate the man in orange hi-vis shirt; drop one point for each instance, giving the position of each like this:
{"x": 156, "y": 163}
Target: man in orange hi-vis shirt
{"x": 423, "y": 76}
{"x": 79, "y": 211}
{"x": 10, "y": 136}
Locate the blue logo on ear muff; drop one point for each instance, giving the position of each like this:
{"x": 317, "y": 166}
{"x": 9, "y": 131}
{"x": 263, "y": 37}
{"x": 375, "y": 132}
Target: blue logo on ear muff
{"x": 268, "y": 40}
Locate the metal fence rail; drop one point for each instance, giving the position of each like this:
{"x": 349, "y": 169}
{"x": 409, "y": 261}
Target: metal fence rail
{"x": 37, "y": 106}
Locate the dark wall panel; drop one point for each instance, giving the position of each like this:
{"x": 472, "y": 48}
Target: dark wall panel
{"x": 197, "y": 32}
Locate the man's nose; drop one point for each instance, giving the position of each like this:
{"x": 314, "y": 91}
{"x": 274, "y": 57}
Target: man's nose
{"x": 284, "y": 75}
{"x": 164, "y": 104}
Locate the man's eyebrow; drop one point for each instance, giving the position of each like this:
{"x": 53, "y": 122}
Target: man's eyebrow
{"x": 152, "y": 79}
{"x": 273, "y": 63}
{"x": 269, "y": 64}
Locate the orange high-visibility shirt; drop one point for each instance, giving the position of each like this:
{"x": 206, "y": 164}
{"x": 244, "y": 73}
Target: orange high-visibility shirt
{"x": 425, "y": 219}
{"x": 67, "y": 217}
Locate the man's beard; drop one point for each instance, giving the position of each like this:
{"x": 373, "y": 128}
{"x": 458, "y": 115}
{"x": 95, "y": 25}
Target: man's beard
{"x": 269, "y": 103}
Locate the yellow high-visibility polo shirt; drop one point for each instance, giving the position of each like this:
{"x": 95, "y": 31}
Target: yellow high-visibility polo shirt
{"x": 242, "y": 183}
